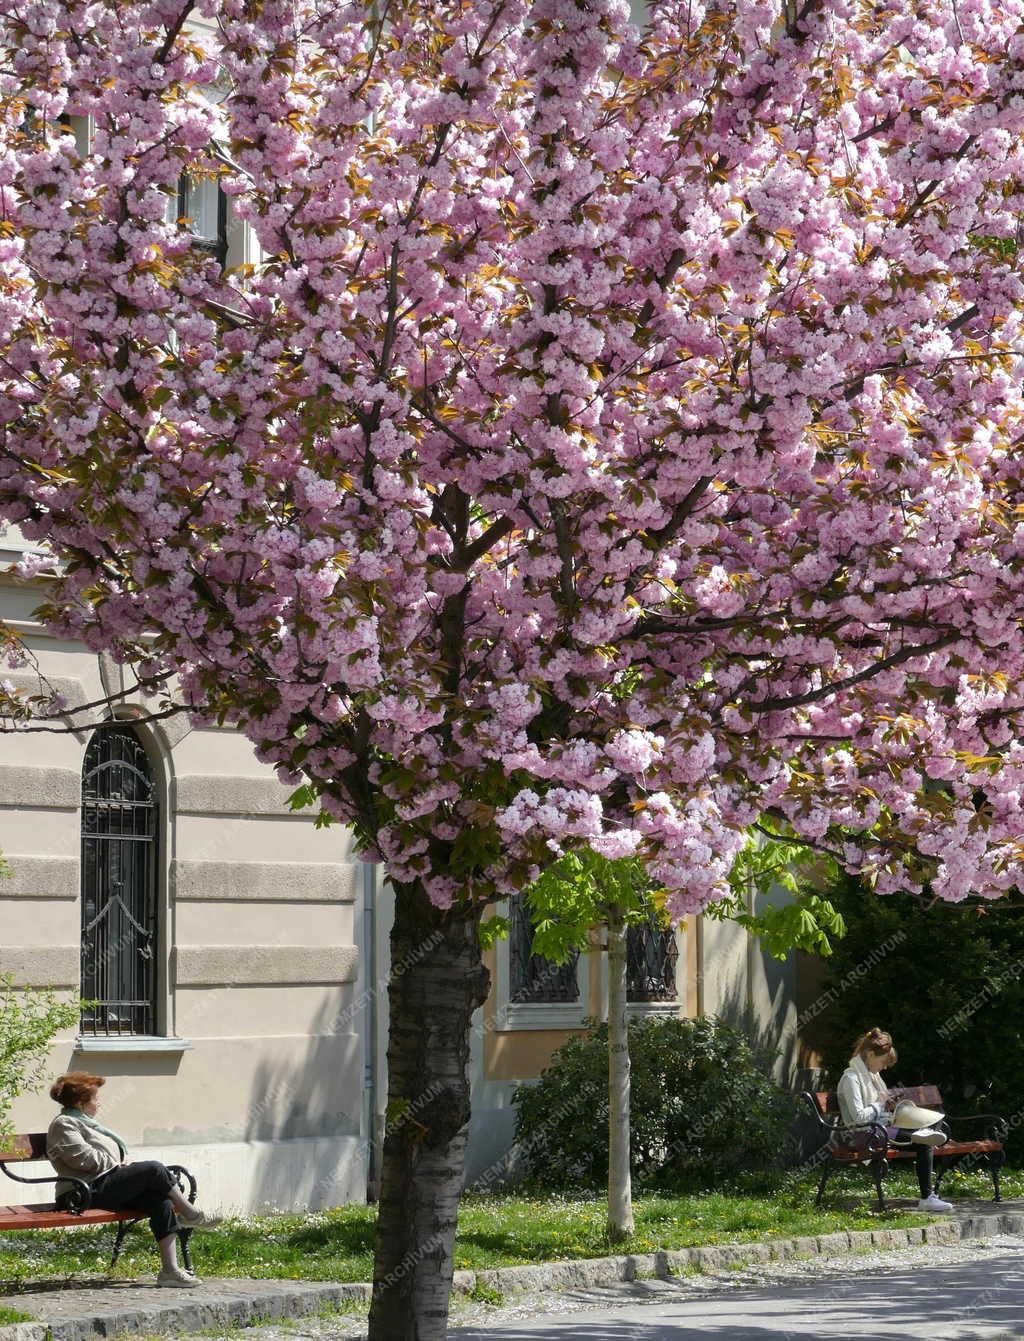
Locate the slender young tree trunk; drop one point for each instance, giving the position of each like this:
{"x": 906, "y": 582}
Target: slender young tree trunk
{"x": 437, "y": 980}
{"x": 620, "y": 1193}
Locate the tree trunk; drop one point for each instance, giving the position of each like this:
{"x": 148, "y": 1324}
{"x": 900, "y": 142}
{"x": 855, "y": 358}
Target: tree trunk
{"x": 620, "y": 1193}
{"x": 437, "y": 980}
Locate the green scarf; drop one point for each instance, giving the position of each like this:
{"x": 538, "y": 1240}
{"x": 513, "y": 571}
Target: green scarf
{"x": 91, "y": 1122}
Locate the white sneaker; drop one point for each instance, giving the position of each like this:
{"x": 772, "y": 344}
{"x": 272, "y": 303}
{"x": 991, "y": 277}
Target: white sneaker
{"x": 176, "y": 1278}
{"x": 934, "y": 1203}
{"x": 928, "y": 1136}
{"x": 197, "y": 1219}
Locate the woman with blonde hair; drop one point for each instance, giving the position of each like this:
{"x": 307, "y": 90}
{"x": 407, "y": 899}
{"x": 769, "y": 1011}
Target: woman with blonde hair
{"x": 80, "y": 1147}
{"x": 864, "y": 1099}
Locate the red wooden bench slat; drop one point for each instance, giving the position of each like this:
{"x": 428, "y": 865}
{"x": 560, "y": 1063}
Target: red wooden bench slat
{"x": 950, "y": 1148}
{"x": 928, "y": 1096}
{"x": 46, "y": 1217}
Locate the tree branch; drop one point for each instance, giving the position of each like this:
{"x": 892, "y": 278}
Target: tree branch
{"x": 848, "y": 682}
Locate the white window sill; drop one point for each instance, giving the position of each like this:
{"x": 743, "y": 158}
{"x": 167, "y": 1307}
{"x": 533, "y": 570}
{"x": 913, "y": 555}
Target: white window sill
{"x": 653, "y": 1007}
{"x": 541, "y": 1015}
{"x": 136, "y": 1044}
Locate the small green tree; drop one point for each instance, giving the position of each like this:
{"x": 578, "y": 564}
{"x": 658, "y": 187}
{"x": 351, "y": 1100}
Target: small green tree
{"x": 30, "y": 1019}
{"x": 771, "y": 861}
{"x": 582, "y": 891}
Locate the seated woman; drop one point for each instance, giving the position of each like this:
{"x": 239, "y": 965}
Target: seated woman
{"x": 80, "y": 1147}
{"x": 863, "y": 1099}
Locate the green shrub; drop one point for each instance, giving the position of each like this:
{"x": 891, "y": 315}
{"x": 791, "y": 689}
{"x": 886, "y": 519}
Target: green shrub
{"x": 702, "y": 1108}
{"x": 29, "y": 1022}
{"x": 947, "y": 980}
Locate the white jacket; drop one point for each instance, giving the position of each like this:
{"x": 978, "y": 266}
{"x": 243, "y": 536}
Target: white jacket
{"x": 861, "y": 1094}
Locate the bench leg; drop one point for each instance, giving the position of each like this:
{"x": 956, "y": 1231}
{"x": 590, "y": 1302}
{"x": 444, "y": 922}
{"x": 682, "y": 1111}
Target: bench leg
{"x": 879, "y": 1169}
{"x": 123, "y": 1227}
{"x": 997, "y": 1160}
{"x": 826, "y": 1174}
{"x": 183, "y": 1237}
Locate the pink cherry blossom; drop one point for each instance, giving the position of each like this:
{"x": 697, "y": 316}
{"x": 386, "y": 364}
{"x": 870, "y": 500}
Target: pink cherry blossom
{"x": 617, "y": 440}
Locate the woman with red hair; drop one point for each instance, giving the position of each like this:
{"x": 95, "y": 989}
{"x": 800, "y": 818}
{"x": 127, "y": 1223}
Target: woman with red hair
{"x": 80, "y": 1147}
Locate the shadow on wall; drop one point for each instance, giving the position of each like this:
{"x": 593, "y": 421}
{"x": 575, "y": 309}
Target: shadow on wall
{"x": 765, "y": 1010}
{"x": 314, "y": 1096}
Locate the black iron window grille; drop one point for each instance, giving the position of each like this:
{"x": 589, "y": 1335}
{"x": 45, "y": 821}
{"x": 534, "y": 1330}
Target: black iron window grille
{"x": 204, "y": 208}
{"x": 651, "y": 957}
{"x": 119, "y": 885}
{"x": 533, "y": 979}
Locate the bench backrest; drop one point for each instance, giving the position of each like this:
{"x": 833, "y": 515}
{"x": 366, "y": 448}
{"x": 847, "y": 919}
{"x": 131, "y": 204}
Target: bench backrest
{"x": 927, "y": 1096}
{"x": 31, "y": 1145}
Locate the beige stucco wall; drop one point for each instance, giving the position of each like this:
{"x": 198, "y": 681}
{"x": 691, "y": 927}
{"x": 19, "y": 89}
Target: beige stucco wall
{"x": 262, "y": 1099}
{"x": 744, "y": 985}
{"x": 721, "y": 971}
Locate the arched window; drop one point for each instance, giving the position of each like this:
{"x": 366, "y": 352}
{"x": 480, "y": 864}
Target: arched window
{"x": 119, "y": 885}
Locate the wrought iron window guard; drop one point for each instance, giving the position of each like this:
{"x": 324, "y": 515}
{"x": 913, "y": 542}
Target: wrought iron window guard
{"x": 119, "y": 886}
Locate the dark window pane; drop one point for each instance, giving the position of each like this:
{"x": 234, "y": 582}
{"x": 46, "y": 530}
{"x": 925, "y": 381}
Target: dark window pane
{"x": 205, "y": 206}
{"x": 532, "y": 977}
{"x": 651, "y": 955}
{"x": 119, "y": 879}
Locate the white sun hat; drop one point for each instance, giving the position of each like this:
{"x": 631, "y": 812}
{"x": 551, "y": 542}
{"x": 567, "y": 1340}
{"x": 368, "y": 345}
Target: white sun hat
{"x": 911, "y": 1117}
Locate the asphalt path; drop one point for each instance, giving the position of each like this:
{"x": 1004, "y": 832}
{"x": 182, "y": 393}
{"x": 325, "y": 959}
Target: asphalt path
{"x": 980, "y": 1300}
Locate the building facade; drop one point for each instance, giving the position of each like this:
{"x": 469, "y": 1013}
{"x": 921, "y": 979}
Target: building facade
{"x": 158, "y": 869}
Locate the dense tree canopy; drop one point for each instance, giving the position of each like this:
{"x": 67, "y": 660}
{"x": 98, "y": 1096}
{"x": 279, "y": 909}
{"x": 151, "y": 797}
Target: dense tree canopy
{"x": 617, "y": 441}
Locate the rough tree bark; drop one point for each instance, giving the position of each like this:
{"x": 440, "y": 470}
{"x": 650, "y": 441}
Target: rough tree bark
{"x": 437, "y": 980}
{"x": 620, "y": 1193}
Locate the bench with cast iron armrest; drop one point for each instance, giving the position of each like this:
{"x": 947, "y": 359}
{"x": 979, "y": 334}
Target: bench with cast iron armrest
{"x": 870, "y": 1146}
{"x": 75, "y": 1208}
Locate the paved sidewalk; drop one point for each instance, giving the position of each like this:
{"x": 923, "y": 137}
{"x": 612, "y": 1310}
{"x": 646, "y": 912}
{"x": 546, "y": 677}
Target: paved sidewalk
{"x": 982, "y": 1300}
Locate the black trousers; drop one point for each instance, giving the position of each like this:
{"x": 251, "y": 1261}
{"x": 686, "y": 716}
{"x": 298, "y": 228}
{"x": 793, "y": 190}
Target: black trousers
{"x": 925, "y": 1165}
{"x": 143, "y": 1187}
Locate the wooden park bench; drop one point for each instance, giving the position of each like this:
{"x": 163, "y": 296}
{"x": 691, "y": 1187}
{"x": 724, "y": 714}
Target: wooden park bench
{"x": 870, "y": 1146}
{"x": 75, "y": 1209}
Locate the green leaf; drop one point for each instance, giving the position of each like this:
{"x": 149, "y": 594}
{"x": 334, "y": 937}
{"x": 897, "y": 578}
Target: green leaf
{"x": 303, "y": 796}
{"x": 492, "y": 930}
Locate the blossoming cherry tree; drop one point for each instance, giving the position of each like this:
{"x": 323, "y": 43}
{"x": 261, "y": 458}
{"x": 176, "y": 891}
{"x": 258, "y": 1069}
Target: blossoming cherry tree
{"x": 615, "y": 444}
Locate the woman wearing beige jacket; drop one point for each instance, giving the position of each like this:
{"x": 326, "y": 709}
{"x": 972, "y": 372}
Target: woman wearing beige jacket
{"x": 80, "y": 1147}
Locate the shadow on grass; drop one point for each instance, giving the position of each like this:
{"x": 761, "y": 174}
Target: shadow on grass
{"x": 349, "y": 1238}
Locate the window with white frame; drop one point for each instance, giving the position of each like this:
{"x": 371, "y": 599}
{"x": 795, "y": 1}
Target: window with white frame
{"x": 202, "y": 208}
{"x": 534, "y": 992}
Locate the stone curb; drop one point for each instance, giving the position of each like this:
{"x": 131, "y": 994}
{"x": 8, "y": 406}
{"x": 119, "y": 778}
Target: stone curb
{"x": 211, "y": 1308}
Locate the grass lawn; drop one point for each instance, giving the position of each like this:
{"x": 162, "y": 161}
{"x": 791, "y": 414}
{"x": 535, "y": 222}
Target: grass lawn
{"x": 493, "y": 1231}
{"x": 12, "y": 1315}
